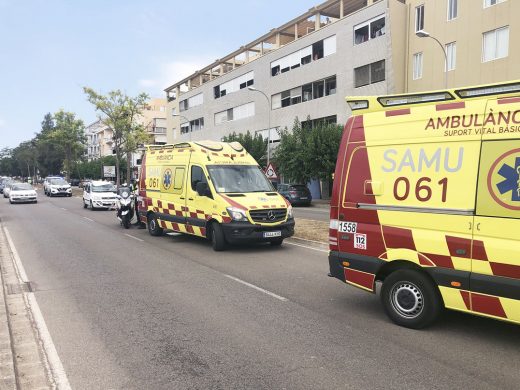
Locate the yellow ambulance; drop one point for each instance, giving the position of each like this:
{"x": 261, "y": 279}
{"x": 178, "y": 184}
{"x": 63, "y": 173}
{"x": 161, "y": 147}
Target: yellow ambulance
{"x": 214, "y": 190}
{"x": 427, "y": 201}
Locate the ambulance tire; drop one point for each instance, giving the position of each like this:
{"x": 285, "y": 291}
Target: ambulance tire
{"x": 218, "y": 241}
{"x": 153, "y": 226}
{"x": 411, "y": 299}
{"x": 84, "y": 204}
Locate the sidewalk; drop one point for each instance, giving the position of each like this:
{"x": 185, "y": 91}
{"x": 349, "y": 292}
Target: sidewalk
{"x": 23, "y": 362}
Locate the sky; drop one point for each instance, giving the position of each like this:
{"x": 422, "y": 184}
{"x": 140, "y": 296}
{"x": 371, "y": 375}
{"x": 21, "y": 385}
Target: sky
{"x": 51, "y": 49}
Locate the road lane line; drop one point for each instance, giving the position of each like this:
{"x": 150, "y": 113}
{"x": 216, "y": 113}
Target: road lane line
{"x": 88, "y": 219}
{"x": 63, "y": 208}
{"x": 53, "y": 359}
{"x": 283, "y": 299}
{"x": 135, "y": 238}
{"x": 307, "y": 247}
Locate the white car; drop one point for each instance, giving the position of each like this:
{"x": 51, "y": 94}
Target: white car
{"x": 58, "y": 187}
{"x": 99, "y": 194}
{"x": 47, "y": 183}
{"x": 22, "y": 193}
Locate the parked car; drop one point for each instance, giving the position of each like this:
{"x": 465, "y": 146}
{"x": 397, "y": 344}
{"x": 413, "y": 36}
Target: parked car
{"x": 296, "y": 194}
{"x": 22, "y": 193}
{"x": 74, "y": 182}
{"x": 58, "y": 187}
{"x": 99, "y": 194}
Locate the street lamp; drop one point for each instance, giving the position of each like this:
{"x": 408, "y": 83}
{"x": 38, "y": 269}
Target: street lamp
{"x": 268, "y": 122}
{"x": 425, "y": 34}
{"x": 186, "y": 119}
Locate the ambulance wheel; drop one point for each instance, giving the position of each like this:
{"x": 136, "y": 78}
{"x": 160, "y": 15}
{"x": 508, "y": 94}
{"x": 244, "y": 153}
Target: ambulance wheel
{"x": 411, "y": 299}
{"x": 218, "y": 241}
{"x": 276, "y": 242}
{"x": 153, "y": 226}
{"x": 84, "y": 204}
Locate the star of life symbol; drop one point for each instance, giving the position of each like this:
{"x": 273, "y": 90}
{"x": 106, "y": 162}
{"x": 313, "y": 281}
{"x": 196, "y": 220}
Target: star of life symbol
{"x": 512, "y": 180}
{"x": 167, "y": 179}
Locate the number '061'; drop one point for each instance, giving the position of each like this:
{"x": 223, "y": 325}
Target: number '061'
{"x": 423, "y": 189}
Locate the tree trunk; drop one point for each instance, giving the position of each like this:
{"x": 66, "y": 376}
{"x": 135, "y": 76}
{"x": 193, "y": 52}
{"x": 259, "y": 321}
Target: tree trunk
{"x": 128, "y": 167}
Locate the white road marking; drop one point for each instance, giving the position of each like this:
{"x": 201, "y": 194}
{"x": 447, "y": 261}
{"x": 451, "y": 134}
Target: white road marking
{"x": 135, "y": 238}
{"x": 307, "y": 247}
{"x": 257, "y": 288}
{"x": 305, "y": 239}
{"x": 88, "y": 219}
{"x": 53, "y": 360}
{"x": 63, "y": 208}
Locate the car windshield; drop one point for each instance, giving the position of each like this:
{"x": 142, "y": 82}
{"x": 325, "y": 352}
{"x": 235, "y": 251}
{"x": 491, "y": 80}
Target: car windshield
{"x": 103, "y": 188}
{"x": 58, "y": 182}
{"x": 299, "y": 187}
{"x": 21, "y": 187}
{"x": 238, "y": 178}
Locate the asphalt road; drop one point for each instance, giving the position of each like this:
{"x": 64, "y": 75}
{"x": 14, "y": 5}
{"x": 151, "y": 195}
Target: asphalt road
{"x": 312, "y": 212}
{"x": 127, "y": 310}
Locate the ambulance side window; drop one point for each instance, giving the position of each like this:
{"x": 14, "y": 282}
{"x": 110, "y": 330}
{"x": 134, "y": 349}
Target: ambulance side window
{"x": 178, "y": 179}
{"x": 197, "y": 175}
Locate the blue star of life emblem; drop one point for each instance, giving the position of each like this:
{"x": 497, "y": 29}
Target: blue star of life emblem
{"x": 167, "y": 179}
{"x": 512, "y": 180}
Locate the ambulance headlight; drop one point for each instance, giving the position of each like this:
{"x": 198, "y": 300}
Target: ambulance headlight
{"x": 289, "y": 212}
{"x": 237, "y": 214}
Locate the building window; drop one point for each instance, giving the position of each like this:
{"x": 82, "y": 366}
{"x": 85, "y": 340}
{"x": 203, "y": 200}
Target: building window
{"x": 236, "y": 113}
{"x": 452, "y": 9}
{"x": 369, "y": 74}
{"x": 305, "y": 56}
{"x": 489, "y": 3}
{"x": 417, "y": 65}
{"x": 419, "y": 18}
{"x": 315, "y": 90}
{"x": 194, "y": 125}
{"x": 495, "y": 44}
{"x": 234, "y": 85}
{"x": 451, "y": 53}
{"x": 174, "y": 111}
{"x": 327, "y": 120}
{"x": 185, "y": 128}
{"x": 369, "y": 30}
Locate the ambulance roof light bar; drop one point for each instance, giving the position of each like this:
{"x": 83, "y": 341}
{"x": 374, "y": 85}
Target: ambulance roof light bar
{"x": 489, "y": 90}
{"x": 389, "y": 101}
{"x": 358, "y": 104}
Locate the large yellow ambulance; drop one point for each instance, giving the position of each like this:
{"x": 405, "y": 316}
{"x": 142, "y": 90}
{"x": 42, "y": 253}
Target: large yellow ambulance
{"x": 211, "y": 189}
{"x": 427, "y": 201}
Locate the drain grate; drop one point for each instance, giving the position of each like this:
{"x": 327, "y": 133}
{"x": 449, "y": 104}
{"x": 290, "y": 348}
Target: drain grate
{"x": 13, "y": 289}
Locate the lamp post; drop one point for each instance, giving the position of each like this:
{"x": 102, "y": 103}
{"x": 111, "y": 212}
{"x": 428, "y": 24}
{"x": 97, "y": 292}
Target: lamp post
{"x": 425, "y": 34}
{"x": 268, "y": 122}
{"x": 186, "y": 119}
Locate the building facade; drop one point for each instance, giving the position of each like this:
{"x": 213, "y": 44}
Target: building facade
{"x": 306, "y": 67}
{"x": 303, "y": 69}
{"x": 480, "y": 38}
{"x": 100, "y": 141}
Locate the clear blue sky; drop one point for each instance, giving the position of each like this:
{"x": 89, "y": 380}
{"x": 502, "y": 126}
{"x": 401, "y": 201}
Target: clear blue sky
{"x": 50, "y": 49}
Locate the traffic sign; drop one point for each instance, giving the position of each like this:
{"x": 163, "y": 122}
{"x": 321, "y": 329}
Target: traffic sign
{"x": 270, "y": 172}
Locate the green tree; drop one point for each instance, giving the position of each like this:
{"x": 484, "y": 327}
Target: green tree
{"x": 255, "y": 145}
{"x": 69, "y": 138}
{"x": 121, "y": 113}
{"x": 6, "y": 162}
{"x": 50, "y": 157}
{"x": 308, "y": 152}
{"x": 25, "y": 158}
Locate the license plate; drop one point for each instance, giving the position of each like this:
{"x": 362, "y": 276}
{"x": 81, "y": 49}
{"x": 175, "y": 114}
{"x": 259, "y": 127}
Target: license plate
{"x": 277, "y": 233}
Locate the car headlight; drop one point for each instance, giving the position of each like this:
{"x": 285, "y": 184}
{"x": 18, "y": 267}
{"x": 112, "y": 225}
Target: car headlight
{"x": 289, "y": 212}
{"x": 237, "y": 214}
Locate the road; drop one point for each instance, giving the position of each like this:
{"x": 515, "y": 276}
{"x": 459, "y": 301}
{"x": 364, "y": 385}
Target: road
{"x": 129, "y": 311}
{"x": 312, "y": 212}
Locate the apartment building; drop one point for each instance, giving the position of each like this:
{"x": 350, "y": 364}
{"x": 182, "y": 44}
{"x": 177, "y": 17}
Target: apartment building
{"x": 100, "y": 141}
{"x": 480, "y": 39}
{"x": 303, "y": 69}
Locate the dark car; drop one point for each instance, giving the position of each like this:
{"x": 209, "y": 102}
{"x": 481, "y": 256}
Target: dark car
{"x": 4, "y": 181}
{"x": 296, "y": 194}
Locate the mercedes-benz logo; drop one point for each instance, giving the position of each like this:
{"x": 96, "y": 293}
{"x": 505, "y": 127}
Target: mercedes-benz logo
{"x": 271, "y": 215}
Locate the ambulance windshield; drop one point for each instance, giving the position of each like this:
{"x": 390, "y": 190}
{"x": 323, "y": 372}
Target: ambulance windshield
{"x": 238, "y": 178}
